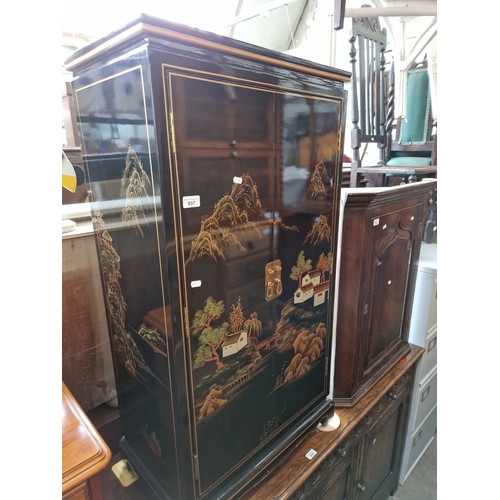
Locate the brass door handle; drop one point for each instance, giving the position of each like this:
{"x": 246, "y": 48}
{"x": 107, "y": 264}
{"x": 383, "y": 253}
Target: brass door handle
{"x": 274, "y": 285}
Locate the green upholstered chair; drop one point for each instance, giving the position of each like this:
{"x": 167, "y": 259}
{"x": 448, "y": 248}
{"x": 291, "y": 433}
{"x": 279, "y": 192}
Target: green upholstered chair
{"x": 411, "y": 146}
{"x": 415, "y": 143}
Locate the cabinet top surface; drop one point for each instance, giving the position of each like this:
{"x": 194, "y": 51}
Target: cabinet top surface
{"x": 147, "y": 27}
{"x": 388, "y": 192}
{"x": 84, "y": 453}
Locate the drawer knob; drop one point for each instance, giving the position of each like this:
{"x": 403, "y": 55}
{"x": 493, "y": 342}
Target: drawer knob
{"x": 392, "y": 395}
{"x": 360, "y": 487}
{"x": 342, "y": 452}
{"x": 234, "y": 154}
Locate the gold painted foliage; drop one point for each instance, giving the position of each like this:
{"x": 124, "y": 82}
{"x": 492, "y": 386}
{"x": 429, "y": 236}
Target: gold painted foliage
{"x": 236, "y": 318}
{"x": 124, "y": 345}
{"x": 230, "y": 212}
{"x": 317, "y": 183}
{"x": 253, "y": 325}
{"x": 320, "y": 231}
{"x": 134, "y": 188}
{"x": 246, "y": 198}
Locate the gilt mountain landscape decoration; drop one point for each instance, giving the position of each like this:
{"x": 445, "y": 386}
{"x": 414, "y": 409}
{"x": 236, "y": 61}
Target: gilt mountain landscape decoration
{"x": 236, "y": 361}
{"x": 239, "y": 210}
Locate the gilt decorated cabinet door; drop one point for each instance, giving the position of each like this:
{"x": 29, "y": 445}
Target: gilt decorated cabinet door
{"x": 214, "y": 170}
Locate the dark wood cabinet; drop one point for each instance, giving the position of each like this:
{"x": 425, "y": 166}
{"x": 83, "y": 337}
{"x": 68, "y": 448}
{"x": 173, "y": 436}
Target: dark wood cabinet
{"x": 368, "y": 461}
{"x": 214, "y": 170}
{"x": 381, "y": 232}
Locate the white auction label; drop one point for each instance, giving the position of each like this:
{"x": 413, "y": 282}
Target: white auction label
{"x": 310, "y": 454}
{"x": 191, "y": 201}
{"x": 237, "y": 180}
{"x": 195, "y": 284}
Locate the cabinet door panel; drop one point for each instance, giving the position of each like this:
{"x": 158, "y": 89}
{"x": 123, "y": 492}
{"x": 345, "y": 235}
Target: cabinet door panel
{"x": 379, "y": 459}
{"x": 393, "y": 242}
{"x": 250, "y": 373}
{"x": 337, "y": 487}
{"x": 390, "y": 283}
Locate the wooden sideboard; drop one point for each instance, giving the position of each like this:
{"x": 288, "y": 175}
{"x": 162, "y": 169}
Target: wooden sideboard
{"x": 361, "y": 459}
{"x": 84, "y": 453}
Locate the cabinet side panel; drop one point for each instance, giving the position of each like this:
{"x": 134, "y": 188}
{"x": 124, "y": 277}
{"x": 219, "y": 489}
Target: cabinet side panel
{"x": 119, "y": 151}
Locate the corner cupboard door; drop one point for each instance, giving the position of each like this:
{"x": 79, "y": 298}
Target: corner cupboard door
{"x": 395, "y": 235}
{"x": 255, "y": 257}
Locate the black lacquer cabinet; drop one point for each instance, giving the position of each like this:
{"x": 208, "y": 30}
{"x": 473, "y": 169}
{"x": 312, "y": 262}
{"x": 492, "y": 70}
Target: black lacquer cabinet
{"x": 214, "y": 172}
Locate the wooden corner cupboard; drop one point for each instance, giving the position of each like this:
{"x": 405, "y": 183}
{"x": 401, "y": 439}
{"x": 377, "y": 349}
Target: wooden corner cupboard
{"x": 214, "y": 170}
{"x": 381, "y": 232}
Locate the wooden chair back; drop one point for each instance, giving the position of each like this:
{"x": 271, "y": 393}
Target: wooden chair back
{"x": 368, "y": 114}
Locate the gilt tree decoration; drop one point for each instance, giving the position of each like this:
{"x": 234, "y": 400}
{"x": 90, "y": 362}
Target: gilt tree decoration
{"x": 303, "y": 266}
{"x": 246, "y": 197}
{"x": 211, "y": 338}
{"x": 134, "y": 190}
{"x": 320, "y": 231}
{"x": 317, "y": 181}
{"x": 241, "y": 210}
{"x": 324, "y": 264}
{"x": 214, "y": 236}
{"x": 124, "y": 345}
{"x": 236, "y": 318}
{"x": 253, "y": 325}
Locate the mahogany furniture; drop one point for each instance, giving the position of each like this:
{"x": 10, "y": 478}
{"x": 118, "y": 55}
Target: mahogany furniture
{"x": 361, "y": 459}
{"x": 381, "y": 236}
{"x": 218, "y": 270}
{"x": 84, "y": 453}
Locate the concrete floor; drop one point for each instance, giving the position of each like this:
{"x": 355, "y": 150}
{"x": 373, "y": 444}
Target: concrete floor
{"x": 421, "y": 484}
